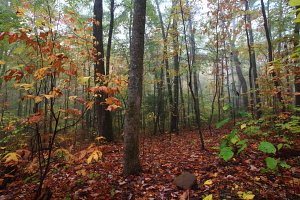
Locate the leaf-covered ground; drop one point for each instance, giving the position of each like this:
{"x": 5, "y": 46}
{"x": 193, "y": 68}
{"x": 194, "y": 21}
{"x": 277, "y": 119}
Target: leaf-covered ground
{"x": 163, "y": 158}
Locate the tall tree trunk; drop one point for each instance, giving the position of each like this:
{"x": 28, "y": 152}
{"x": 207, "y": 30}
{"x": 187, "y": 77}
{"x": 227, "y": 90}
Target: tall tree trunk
{"x": 193, "y": 84}
{"x": 108, "y": 129}
{"x": 132, "y": 122}
{"x": 182, "y": 104}
{"x": 216, "y": 63}
{"x": 104, "y": 121}
{"x": 165, "y": 57}
{"x": 160, "y": 102}
{"x": 297, "y": 76}
{"x": 252, "y": 56}
{"x": 240, "y": 75}
{"x": 174, "y": 107}
{"x": 99, "y": 70}
{"x": 270, "y": 54}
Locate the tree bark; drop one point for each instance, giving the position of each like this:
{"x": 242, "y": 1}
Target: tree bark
{"x": 270, "y": 54}
{"x": 104, "y": 121}
{"x": 253, "y": 70}
{"x": 193, "y": 84}
{"x": 174, "y": 107}
{"x": 297, "y": 76}
{"x": 240, "y": 76}
{"x": 132, "y": 122}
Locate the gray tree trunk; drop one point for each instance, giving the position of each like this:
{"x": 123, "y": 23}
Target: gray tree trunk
{"x": 252, "y": 55}
{"x": 132, "y": 122}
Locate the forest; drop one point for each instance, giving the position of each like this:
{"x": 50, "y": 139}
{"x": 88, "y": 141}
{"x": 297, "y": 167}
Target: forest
{"x": 149, "y": 99}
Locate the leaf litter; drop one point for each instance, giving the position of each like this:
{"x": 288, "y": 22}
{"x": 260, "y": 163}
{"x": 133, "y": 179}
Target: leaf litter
{"x": 163, "y": 158}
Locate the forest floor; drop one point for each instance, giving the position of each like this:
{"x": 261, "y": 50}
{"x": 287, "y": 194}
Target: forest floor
{"x": 163, "y": 158}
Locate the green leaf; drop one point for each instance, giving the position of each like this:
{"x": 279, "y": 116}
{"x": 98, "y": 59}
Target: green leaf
{"x": 223, "y": 144}
{"x": 112, "y": 192}
{"x": 294, "y": 2}
{"x": 242, "y": 148}
{"x": 242, "y": 142}
{"x": 279, "y": 146}
{"x": 267, "y": 147}
{"x": 264, "y": 171}
{"x": 226, "y": 107}
{"x": 271, "y": 163}
{"x": 244, "y": 114}
{"x": 234, "y": 139}
{"x": 221, "y": 123}
{"x": 226, "y": 153}
{"x": 283, "y": 164}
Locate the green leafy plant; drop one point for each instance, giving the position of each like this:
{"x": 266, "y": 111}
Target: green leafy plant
{"x": 271, "y": 163}
{"x": 231, "y": 144}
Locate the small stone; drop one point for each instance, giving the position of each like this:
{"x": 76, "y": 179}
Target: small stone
{"x": 185, "y": 181}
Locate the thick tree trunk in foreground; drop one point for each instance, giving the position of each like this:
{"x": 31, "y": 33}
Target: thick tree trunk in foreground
{"x": 132, "y": 122}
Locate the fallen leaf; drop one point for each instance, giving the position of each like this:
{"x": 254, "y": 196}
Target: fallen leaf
{"x": 208, "y": 182}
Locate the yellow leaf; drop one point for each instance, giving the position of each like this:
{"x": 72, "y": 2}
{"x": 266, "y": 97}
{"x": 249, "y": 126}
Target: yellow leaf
{"x": 50, "y": 26}
{"x": 11, "y": 156}
{"x": 99, "y": 138}
{"x": 243, "y": 126}
{"x": 81, "y": 172}
{"x": 89, "y": 105}
{"x": 24, "y": 86}
{"x": 208, "y": 182}
{"x": 38, "y": 99}
{"x": 72, "y": 98}
{"x": 18, "y": 66}
{"x": 2, "y": 62}
{"x": 40, "y": 73}
{"x": 71, "y": 12}
{"x": 248, "y": 196}
{"x": 235, "y": 186}
{"x": 47, "y": 96}
{"x": 83, "y": 79}
{"x": 95, "y": 155}
{"x": 208, "y": 197}
{"x": 18, "y": 50}
{"x": 294, "y": 2}
{"x": 20, "y": 12}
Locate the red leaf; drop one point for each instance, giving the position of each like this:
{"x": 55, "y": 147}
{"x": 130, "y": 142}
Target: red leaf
{"x": 30, "y": 69}
{"x": 12, "y": 38}
{"x": 24, "y": 36}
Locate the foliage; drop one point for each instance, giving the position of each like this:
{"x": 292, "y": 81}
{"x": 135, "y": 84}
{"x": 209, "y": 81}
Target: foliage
{"x": 231, "y": 144}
